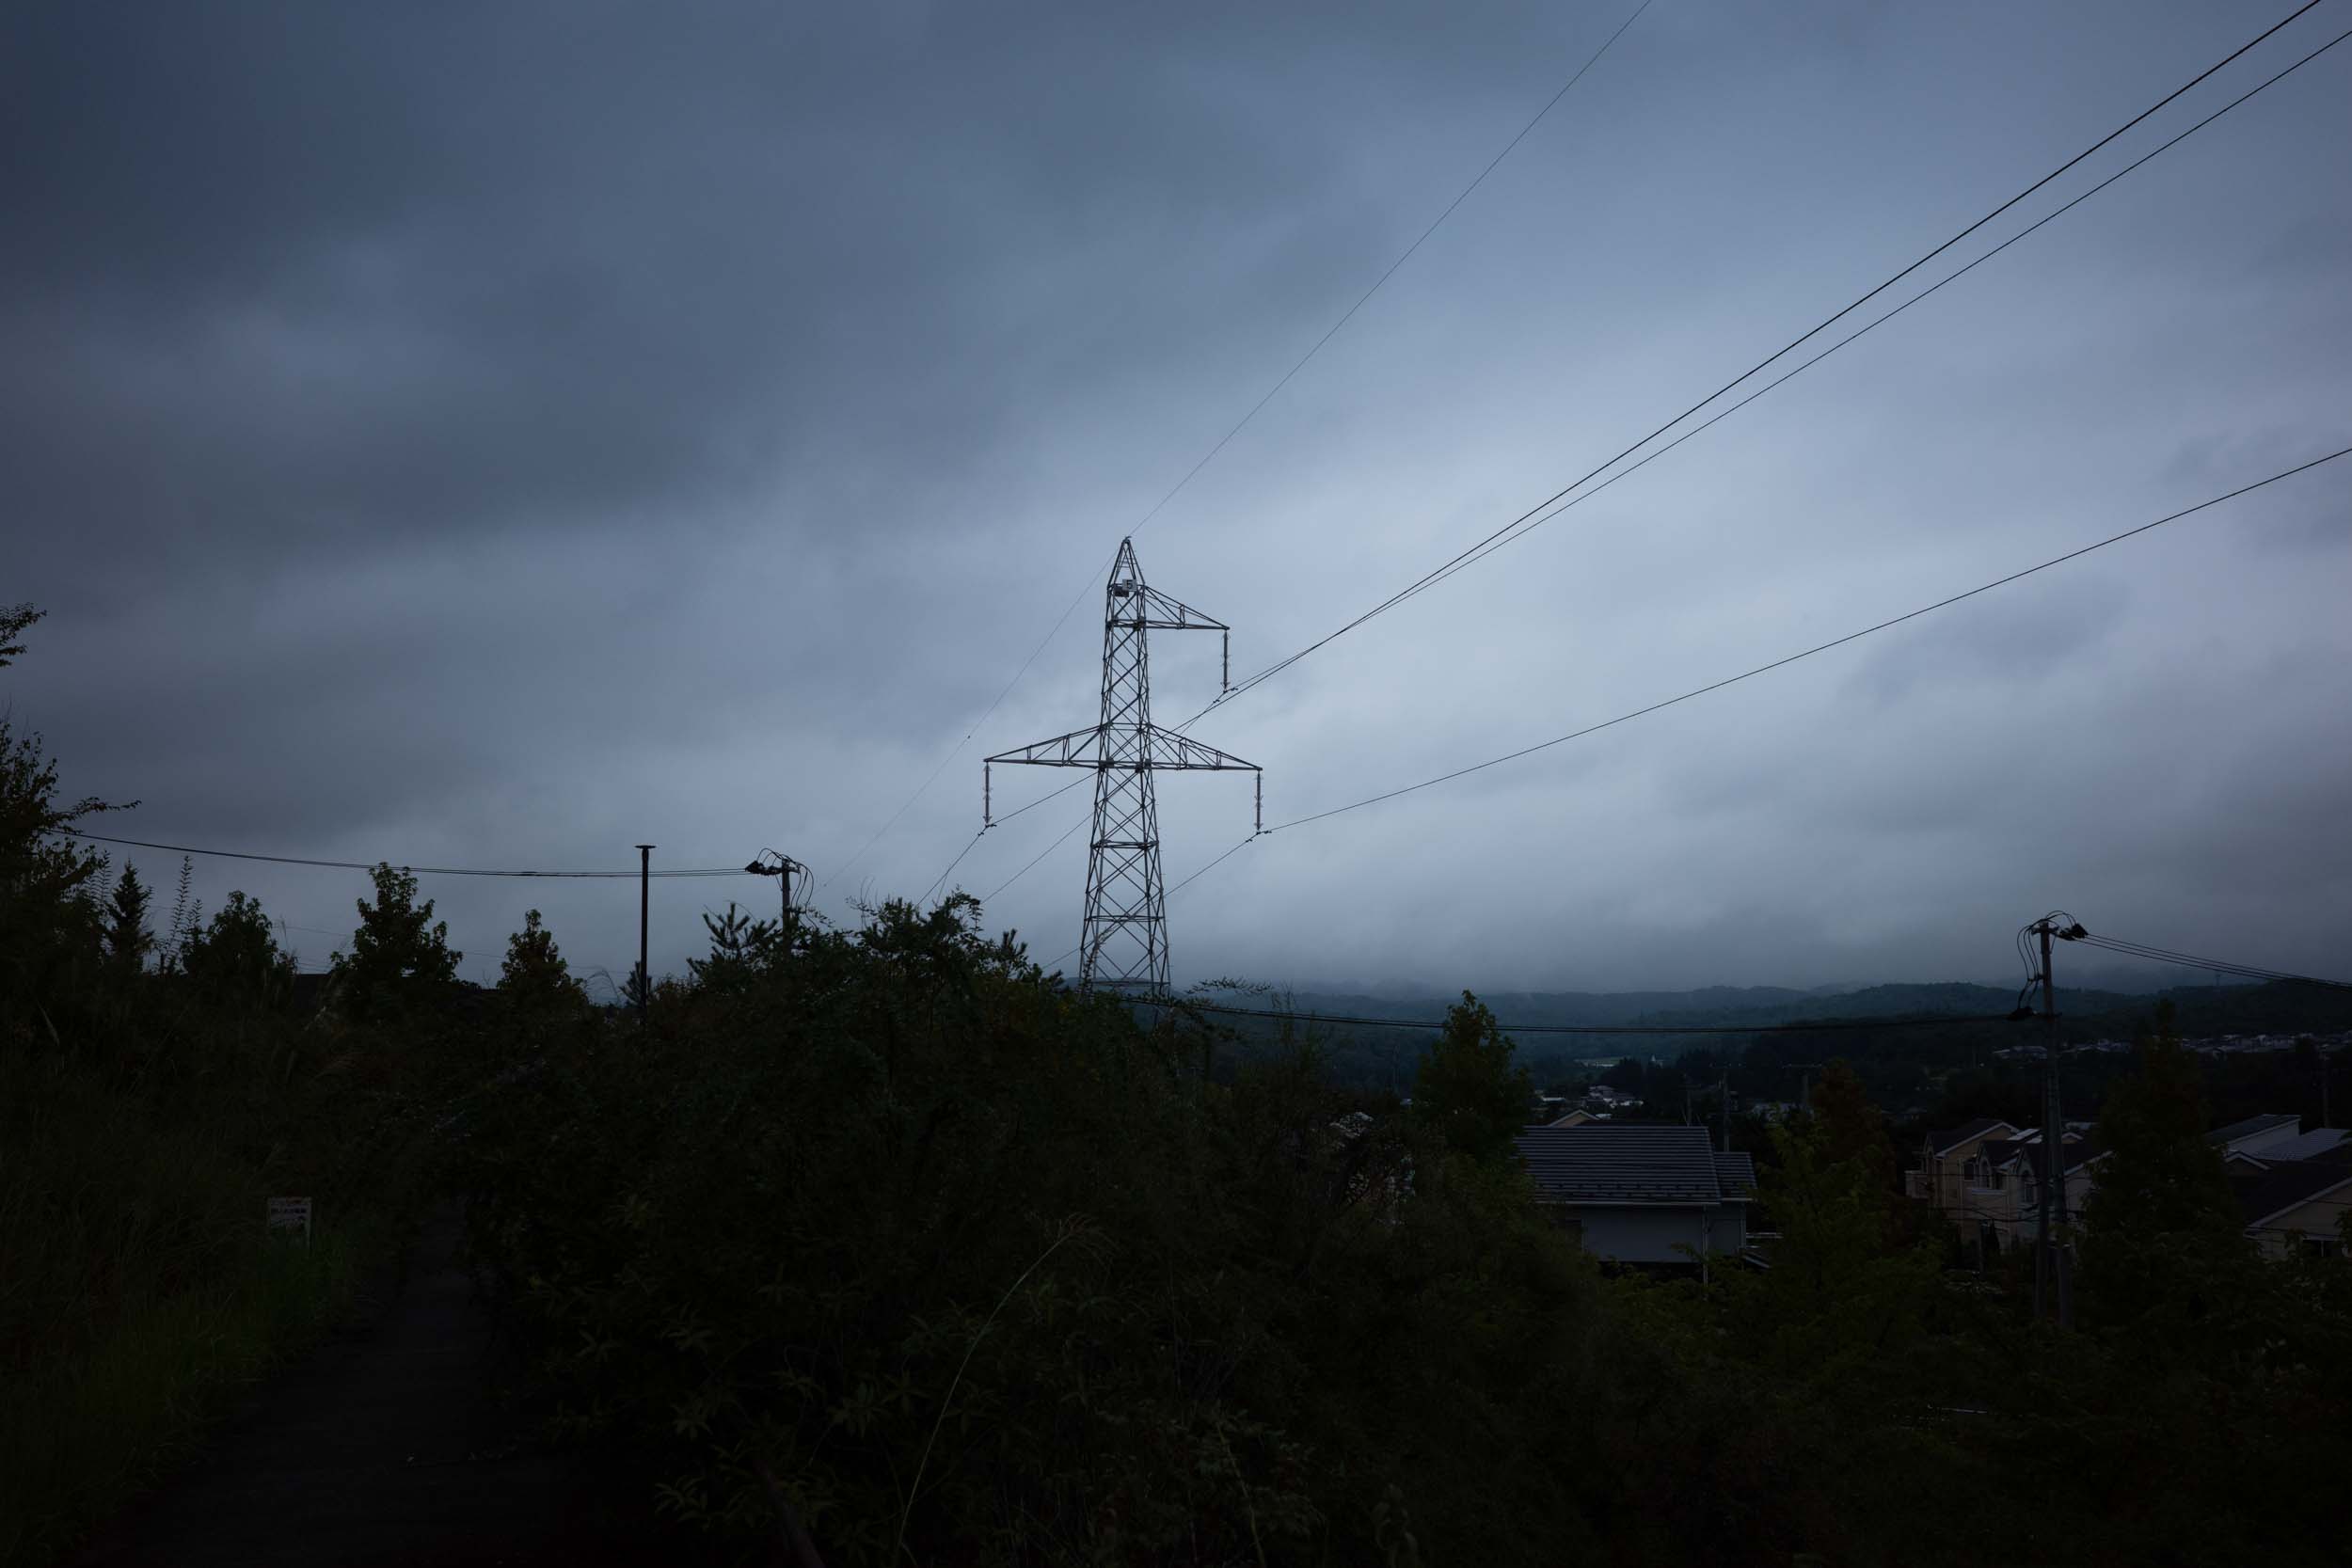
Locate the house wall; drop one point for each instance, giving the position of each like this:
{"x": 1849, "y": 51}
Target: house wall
{"x": 1648, "y": 1233}
{"x": 2315, "y": 1219}
{"x": 1940, "y": 1179}
{"x": 1728, "y": 1229}
{"x": 2024, "y": 1219}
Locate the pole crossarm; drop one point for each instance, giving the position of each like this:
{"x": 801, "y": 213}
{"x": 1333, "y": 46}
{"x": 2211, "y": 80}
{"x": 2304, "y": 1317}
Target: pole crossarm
{"x": 1155, "y": 611}
{"x": 1116, "y": 746}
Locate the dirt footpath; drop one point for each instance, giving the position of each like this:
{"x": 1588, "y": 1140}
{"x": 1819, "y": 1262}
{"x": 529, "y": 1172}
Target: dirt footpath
{"x": 386, "y": 1447}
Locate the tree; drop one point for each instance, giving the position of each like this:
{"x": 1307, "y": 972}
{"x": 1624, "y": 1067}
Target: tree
{"x": 1841, "y": 1288}
{"x": 397, "y": 945}
{"x": 237, "y": 958}
{"x": 2161, "y": 1215}
{"x": 128, "y": 940}
{"x": 49, "y": 921}
{"x": 1468, "y": 1087}
{"x": 533, "y": 977}
{"x": 1853, "y": 1132}
{"x": 13, "y": 622}
{"x": 742, "y": 949}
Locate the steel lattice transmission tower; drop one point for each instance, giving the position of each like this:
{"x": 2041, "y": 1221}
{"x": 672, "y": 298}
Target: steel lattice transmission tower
{"x": 1123, "y": 945}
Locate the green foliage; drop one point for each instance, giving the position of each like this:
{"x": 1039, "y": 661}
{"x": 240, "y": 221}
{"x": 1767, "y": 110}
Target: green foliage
{"x": 1469, "y": 1089}
{"x": 236, "y": 960}
{"x": 1841, "y": 1295}
{"x": 50, "y": 926}
{"x": 533, "y": 980}
{"x": 900, "y": 1208}
{"x": 126, "y": 936}
{"x": 741, "y": 950}
{"x": 398, "y": 954}
{"x": 145, "y": 1117}
{"x": 2161, "y": 1219}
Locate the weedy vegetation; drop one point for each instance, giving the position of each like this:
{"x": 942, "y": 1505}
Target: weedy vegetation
{"x": 881, "y": 1245}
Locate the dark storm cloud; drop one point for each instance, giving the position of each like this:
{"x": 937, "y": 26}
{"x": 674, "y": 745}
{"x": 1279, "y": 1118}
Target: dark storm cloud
{"x": 483, "y": 434}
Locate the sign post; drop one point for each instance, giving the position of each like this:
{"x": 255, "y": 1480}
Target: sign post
{"x": 291, "y": 1213}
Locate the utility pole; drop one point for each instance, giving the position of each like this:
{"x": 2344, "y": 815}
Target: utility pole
{"x": 2053, "y": 1270}
{"x": 782, "y": 871}
{"x": 1123, "y": 941}
{"x": 645, "y": 903}
{"x": 1722, "y": 1090}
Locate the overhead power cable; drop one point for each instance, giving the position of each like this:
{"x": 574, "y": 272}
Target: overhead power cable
{"x": 1828, "y": 1026}
{"x": 1349, "y": 314}
{"x": 1561, "y": 500}
{"x": 1817, "y": 648}
{"x": 1542, "y": 512}
{"x": 1033, "y": 859}
{"x": 2191, "y": 960}
{"x": 418, "y": 870}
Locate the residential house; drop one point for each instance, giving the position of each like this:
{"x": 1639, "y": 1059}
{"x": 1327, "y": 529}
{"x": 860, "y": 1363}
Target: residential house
{"x": 1641, "y": 1194}
{"x": 1940, "y": 1179}
{"x": 2004, "y": 1186}
{"x": 2320, "y": 1144}
{"x": 2294, "y": 1191}
{"x": 1986, "y": 1177}
{"x": 2256, "y": 1135}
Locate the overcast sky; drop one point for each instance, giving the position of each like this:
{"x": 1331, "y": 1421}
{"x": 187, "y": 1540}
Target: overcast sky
{"x": 497, "y": 436}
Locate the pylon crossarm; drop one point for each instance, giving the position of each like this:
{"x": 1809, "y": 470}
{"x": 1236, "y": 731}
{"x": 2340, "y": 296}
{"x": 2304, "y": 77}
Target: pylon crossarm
{"x": 1159, "y": 612}
{"x": 1171, "y": 749}
{"x": 1063, "y": 751}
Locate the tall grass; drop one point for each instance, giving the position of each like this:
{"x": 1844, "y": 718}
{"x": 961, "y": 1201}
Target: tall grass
{"x": 138, "y": 1291}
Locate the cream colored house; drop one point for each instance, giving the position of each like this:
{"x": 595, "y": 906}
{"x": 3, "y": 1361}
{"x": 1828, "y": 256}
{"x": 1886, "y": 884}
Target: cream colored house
{"x": 2295, "y": 1205}
{"x": 1941, "y": 1178}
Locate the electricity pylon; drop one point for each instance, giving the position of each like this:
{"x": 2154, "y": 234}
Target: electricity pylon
{"x": 1123, "y": 945}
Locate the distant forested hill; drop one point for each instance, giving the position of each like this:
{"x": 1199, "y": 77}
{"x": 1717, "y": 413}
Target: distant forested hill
{"x": 1904, "y": 1067}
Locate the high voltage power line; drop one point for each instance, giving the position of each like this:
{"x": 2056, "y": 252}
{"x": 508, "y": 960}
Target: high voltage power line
{"x": 1817, "y": 648}
{"x": 1726, "y": 681}
{"x": 1775, "y": 664}
{"x": 1349, "y": 314}
{"x": 1563, "y": 499}
{"x": 1544, "y": 511}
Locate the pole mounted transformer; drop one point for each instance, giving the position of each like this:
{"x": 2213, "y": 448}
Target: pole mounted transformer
{"x": 1123, "y": 945}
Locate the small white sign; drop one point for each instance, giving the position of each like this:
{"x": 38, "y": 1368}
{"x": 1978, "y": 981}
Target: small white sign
{"x": 291, "y": 1213}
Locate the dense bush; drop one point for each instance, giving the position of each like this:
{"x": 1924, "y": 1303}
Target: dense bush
{"x": 902, "y": 1236}
{"x": 896, "y": 1242}
{"x": 147, "y": 1114}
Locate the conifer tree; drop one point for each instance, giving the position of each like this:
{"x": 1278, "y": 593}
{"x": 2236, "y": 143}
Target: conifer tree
{"x": 128, "y": 940}
{"x": 533, "y": 977}
{"x": 1468, "y": 1087}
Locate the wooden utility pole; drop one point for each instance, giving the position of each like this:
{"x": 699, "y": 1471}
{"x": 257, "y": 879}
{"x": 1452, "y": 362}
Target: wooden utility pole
{"x": 645, "y": 903}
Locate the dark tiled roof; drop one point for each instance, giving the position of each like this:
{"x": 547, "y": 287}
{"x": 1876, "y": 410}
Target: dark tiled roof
{"x": 2251, "y": 1126}
{"x": 1621, "y": 1163}
{"x": 1951, "y": 1138}
{"x": 1735, "y": 1175}
{"x": 2288, "y": 1183}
